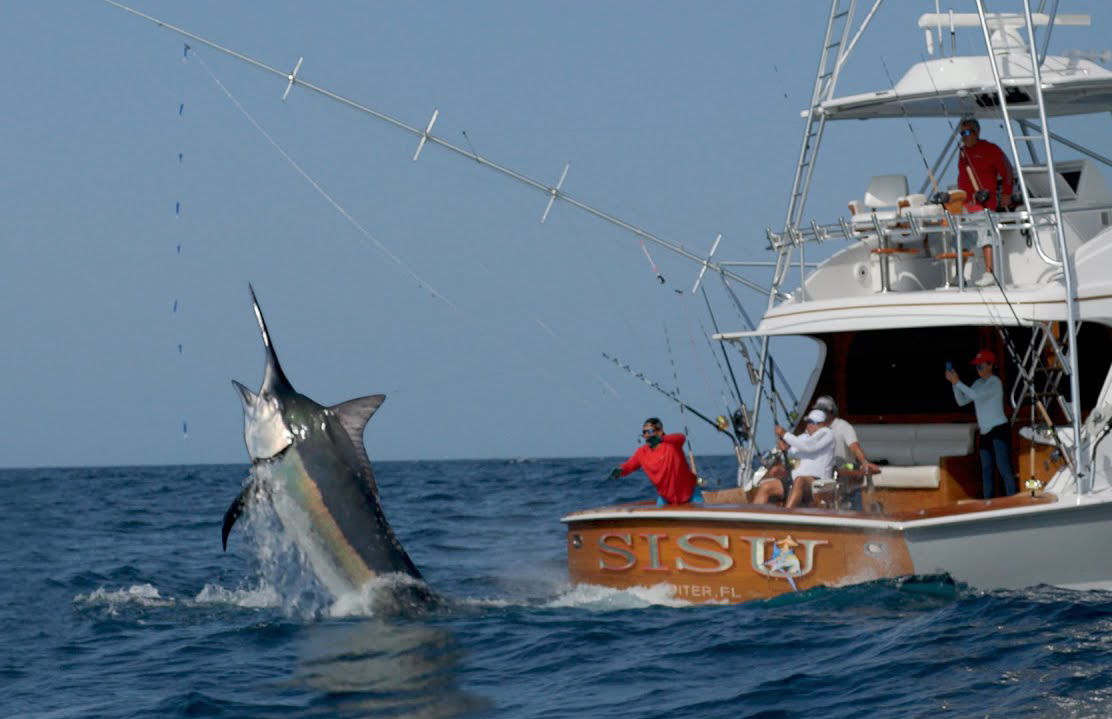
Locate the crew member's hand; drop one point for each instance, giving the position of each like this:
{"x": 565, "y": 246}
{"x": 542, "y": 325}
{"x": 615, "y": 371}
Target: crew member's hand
{"x": 981, "y": 197}
{"x": 871, "y": 468}
{"x": 952, "y": 375}
{"x": 778, "y": 430}
{"x": 615, "y": 473}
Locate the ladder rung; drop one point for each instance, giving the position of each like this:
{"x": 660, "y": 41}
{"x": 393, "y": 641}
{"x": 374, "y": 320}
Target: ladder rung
{"x": 1028, "y": 138}
{"x": 834, "y": 44}
{"x": 840, "y": 14}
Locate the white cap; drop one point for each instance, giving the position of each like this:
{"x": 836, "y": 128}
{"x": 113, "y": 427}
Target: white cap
{"x": 817, "y": 416}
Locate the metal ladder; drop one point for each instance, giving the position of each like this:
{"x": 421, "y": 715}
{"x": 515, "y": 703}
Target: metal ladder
{"x": 826, "y": 78}
{"x": 1042, "y": 368}
{"x": 1034, "y": 135}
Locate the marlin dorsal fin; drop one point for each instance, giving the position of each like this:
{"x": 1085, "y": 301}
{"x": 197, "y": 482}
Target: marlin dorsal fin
{"x": 354, "y": 415}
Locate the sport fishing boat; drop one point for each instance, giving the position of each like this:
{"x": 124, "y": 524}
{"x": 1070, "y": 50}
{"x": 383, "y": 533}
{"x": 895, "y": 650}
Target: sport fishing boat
{"x": 887, "y": 312}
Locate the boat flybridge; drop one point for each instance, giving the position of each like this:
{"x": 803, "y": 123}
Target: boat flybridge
{"x": 887, "y": 311}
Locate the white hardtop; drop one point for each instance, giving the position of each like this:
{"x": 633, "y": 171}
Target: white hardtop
{"x": 964, "y": 85}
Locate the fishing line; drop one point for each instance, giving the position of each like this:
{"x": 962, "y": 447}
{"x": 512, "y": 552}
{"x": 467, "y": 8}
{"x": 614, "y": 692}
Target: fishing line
{"x": 670, "y": 395}
{"x": 179, "y": 234}
{"x": 508, "y": 348}
{"x": 756, "y": 350}
{"x": 421, "y": 282}
{"x": 659, "y": 277}
{"x": 725, "y": 355}
{"x": 911, "y": 129}
{"x": 696, "y": 355}
{"x": 675, "y": 378}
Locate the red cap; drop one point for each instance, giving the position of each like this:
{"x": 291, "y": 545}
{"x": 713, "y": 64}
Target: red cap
{"x": 984, "y": 356}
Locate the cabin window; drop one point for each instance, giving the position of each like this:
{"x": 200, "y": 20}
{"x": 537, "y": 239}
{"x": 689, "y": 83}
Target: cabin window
{"x": 889, "y": 374}
{"x": 900, "y": 372}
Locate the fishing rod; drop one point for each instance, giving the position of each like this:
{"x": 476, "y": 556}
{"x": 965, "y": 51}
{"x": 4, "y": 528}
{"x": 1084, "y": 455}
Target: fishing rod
{"x": 425, "y": 136}
{"x": 721, "y": 424}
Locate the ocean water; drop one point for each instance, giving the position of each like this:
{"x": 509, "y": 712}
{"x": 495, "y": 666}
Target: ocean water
{"x": 117, "y": 601}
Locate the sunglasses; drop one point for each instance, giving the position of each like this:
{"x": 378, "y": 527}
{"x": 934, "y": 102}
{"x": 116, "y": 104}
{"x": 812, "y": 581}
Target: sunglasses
{"x": 967, "y": 133}
{"x": 648, "y": 431}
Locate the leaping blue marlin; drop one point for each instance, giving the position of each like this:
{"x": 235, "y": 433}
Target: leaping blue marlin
{"x": 316, "y": 456}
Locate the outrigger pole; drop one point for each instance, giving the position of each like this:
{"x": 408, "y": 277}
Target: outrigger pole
{"x": 425, "y": 136}
{"x": 675, "y": 398}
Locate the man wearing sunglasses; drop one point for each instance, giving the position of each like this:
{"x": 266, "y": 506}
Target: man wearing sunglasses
{"x": 661, "y": 456}
{"x": 980, "y": 166}
{"x": 987, "y": 396}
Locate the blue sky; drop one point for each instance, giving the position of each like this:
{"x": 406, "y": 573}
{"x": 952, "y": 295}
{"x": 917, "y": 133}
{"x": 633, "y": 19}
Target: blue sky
{"x": 681, "y": 118}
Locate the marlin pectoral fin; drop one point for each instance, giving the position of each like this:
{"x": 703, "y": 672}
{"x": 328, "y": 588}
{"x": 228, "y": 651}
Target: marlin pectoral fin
{"x": 236, "y": 509}
{"x": 354, "y": 415}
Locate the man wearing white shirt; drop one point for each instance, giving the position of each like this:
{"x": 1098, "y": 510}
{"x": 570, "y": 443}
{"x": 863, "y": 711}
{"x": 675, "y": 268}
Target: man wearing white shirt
{"x": 814, "y": 451}
{"x": 987, "y": 396}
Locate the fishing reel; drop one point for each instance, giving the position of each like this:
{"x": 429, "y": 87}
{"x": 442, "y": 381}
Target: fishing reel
{"x": 769, "y": 458}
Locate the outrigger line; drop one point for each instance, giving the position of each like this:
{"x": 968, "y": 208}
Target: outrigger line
{"x": 648, "y": 257}
{"x": 753, "y": 377}
{"x": 425, "y": 136}
{"x": 674, "y": 397}
{"x": 910, "y": 127}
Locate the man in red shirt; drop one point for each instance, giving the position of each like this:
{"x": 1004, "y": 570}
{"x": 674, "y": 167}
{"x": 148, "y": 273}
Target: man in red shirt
{"x": 979, "y": 166}
{"x": 662, "y": 459}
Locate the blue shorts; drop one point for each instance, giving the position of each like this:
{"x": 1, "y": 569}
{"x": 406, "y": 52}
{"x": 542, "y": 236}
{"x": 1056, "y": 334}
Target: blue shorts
{"x": 696, "y": 498}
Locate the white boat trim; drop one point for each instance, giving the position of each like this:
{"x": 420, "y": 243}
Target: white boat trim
{"x": 818, "y": 520}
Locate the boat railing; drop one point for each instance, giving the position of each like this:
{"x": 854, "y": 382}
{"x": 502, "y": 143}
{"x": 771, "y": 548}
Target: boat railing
{"x": 891, "y": 236}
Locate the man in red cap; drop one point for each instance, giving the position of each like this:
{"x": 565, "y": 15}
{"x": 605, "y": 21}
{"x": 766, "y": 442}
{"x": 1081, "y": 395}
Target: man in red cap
{"x": 987, "y": 396}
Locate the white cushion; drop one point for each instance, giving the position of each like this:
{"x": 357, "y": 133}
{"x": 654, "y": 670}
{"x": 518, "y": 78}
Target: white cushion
{"x": 918, "y": 477}
{"x": 907, "y": 445}
{"x": 864, "y": 220}
{"x": 926, "y": 211}
{"x": 914, "y": 200}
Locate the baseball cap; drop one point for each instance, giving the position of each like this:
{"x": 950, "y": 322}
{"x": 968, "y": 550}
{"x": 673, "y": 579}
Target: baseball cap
{"x": 984, "y": 356}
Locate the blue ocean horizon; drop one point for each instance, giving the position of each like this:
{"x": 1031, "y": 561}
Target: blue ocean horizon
{"x": 120, "y": 603}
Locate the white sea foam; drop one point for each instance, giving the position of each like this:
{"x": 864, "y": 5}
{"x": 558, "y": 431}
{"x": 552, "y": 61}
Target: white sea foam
{"x": 593, "y": 596}
{"x": 144, "y": 595}
{"x": 261, "y": 597}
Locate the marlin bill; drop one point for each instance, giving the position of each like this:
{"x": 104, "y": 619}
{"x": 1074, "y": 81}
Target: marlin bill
{"x": 315, "y": 458}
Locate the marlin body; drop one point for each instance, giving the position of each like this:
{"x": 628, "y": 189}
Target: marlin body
{"x": 313, "y": 457}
